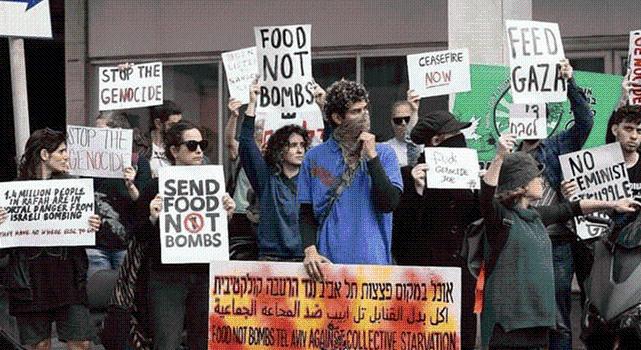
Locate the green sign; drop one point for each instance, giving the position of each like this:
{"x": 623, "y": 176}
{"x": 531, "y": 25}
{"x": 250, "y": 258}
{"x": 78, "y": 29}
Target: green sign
{"x": 487, "y": 107}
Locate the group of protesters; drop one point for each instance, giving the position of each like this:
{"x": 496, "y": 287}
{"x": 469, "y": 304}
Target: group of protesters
{"x": 348, "y": 200}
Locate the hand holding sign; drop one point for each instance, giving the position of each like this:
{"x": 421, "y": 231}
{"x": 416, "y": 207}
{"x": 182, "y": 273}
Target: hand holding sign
{"x": 95, "y": 222}
{"x": 155, "y": 208}
{"x": 3, "y": 215}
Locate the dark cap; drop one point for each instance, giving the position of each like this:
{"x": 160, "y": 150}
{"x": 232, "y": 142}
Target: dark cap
{"x": 518, "y": 169}
{"x": 439, "y": 122}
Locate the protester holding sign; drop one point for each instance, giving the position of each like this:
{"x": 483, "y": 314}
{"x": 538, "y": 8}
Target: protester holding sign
{"x": 275, "y": 180}
{"x": 348, "y": 188}
{"x": 47, "y": 285}
{"x": 439, "y": 238}
{"x": 115, "y": 200}
{"x": 177, "y": 293}
{"x": 518, "y": 305}
{"x": 547, "y": 151}
{"x": 404, "y": 116}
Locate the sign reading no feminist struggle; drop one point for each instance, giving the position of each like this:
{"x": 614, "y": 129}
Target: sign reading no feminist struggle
{"x": 241, "y": 69}
{"x": 193, "y": 223}
{"x": 47, "y": 213}
{"x": 99, "y": 152}
{"x": 528, "y": 122}
{"x": 285, "y": 67}
{"x": 276, "y": 306}
{"x": 137, "y": 86}
{"x": 535, "y": 49}
{"x": 634, "y": 59}
{"x": 439, "y": 73}
{"x": 450, "y": 167}
{"x": 599, "y": 173}
{"x": 25, "y": 18}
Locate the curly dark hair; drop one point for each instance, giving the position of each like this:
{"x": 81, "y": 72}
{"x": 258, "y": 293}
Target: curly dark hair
{"x": 162, "y": 112}
{"x": 341, "y": 95}
{"x": 174, "y": 136}
{"x": 47, "y": 139}
{"x": 278, "y": 143}
{"x": 625, "y": 114}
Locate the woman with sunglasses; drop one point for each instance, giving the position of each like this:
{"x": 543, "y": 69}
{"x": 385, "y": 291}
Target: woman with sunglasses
{"x": 48, "y": 284}
{"x": 177, "y": 293}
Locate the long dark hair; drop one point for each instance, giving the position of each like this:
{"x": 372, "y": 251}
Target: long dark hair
{"x": 174, "y": 137}
{"x": 278, "y": 144}
{"x": 46, "y": 139}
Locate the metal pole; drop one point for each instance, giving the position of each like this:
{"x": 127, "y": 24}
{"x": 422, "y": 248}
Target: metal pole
{"x": 19, "y": 93}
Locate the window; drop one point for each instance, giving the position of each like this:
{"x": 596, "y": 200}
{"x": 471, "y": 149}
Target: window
{"x": 588, "y": 64}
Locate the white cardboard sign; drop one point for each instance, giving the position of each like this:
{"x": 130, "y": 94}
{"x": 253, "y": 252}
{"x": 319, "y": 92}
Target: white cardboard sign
{"x": 193, "y": 222}
{"x": 25, "y": 19}
{"x": 137, "y": 86}
{"x": 634, "y": 63}
{"x": 535, "y": 50}
{"x": 439, "y": 73}
{"x": 47, "y": 213}
{"x": 528, "y": 121}
{"x": 452, "y": 167}
{"x": 99, "y": 152}
{"x": 285, "y": 67}
{"x": 600, "y": 173}
{"x": 241, "y": 68}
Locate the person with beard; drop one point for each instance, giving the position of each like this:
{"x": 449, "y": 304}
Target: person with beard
{"x": 347, "y": 188}
{"x": 565, "y": 246}
{"x": 161, "y": 119}
{"x": 438, "y": 240}
{"x": 48, "y": 284}
{"x": 274, "y": 178}
{"x": 177, "y": 293}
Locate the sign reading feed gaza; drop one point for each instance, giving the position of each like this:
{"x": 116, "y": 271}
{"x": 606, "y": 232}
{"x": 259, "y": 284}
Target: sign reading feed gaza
{"x": 47, "y": 213}
{"x": 535, "y": 51}
{"x": 261, "y": 305}
{"x": 285, "y": 67}
{"x": 137, "y": 86}
{"x": 193, "y": 223}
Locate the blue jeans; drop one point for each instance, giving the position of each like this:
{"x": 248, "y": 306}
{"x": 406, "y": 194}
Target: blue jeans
{"x": 561, "y": 339}
{"x": 100, "y": 259}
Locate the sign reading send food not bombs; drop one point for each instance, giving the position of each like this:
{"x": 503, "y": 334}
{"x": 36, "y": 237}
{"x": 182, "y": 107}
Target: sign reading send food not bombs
{"x": 47, "y": 213}
{"x": 99, "y": 152}
{"x": 193, "y": 223}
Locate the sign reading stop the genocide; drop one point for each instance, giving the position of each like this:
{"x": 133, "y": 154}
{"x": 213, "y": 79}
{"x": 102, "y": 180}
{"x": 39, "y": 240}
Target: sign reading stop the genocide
{"x": 136, "y": 86}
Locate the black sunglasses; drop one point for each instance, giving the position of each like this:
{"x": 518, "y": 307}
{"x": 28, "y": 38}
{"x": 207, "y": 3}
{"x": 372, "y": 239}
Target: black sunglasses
{"x": 400, "y": 120}
{"x": 193, "y": 145}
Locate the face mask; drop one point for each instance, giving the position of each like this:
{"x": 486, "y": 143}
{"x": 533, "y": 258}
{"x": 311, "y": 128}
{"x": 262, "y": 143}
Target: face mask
{"x": 454, "y": 141}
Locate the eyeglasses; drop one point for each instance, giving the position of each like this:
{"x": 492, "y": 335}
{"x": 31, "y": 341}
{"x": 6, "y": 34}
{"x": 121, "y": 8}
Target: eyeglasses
{"x": 193, "y": 145}
{"x": 400, "y": 120}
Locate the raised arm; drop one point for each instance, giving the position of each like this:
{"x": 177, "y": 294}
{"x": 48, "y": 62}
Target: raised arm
{"x": 230, "y": 128}
{"x": 251, "y": 158}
